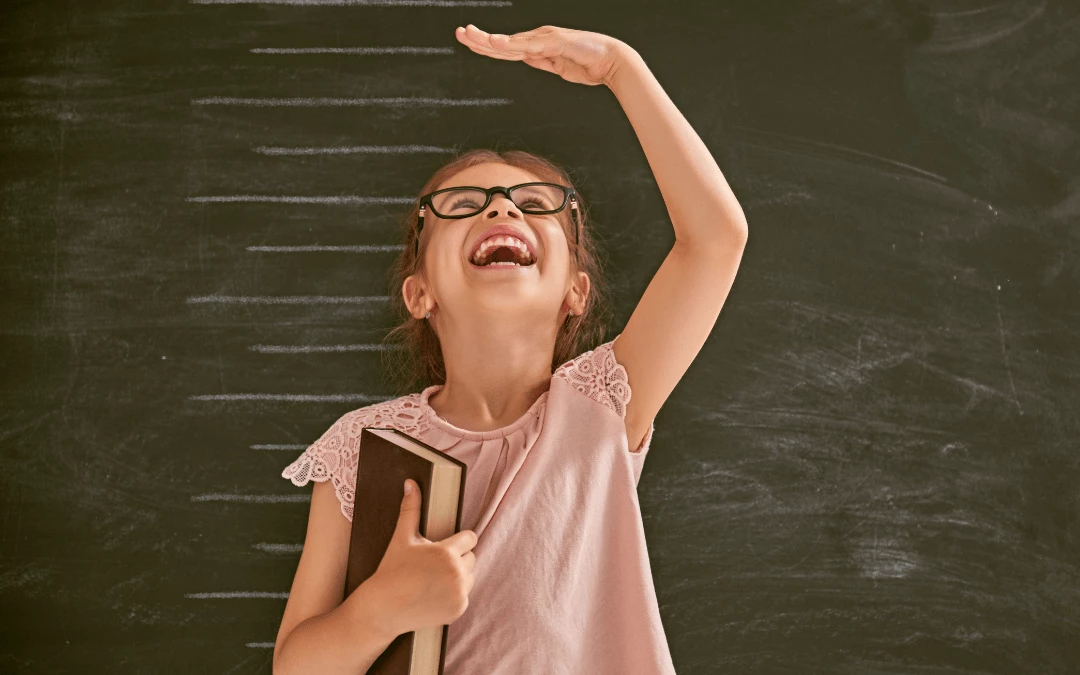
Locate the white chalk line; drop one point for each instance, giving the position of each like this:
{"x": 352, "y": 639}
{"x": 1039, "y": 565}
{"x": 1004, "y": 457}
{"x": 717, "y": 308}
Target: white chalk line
{"x": 287, "y": 498}
{"x": 279, "y": 548}
{"x": 367, "y": 3}
{"x": 287, "y": 299}
{"x": 300, "y": 199}
{"x": 352, "y": 50}
{"x": 293, "y": 398}
{"x": 273, "y": 595}
{"x": 320, "y": 349}
{"x": 357, "y": 248}
{"x": 238, "y": 594}
{"x": 352, "y": 150}
{"x": 416, "y": 101}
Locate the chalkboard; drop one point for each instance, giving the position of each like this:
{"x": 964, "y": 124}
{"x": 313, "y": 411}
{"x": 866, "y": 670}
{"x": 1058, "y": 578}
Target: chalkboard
{"x": 872, "y": 467}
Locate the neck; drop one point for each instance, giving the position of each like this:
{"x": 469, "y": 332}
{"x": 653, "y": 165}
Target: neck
{"x": 495, "y": 372}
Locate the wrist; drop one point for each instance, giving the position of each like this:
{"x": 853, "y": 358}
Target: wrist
{"x": 626, "y": 60}
{"x": 368, "y": 611}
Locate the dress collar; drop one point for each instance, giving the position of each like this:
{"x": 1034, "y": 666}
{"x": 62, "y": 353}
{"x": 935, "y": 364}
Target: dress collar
{"x": 433, "y": 416}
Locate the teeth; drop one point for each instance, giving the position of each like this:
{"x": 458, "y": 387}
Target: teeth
{"x": 502, "y": 240}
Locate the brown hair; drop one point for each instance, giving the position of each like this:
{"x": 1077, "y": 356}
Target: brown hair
{"x": 417, "y": 360}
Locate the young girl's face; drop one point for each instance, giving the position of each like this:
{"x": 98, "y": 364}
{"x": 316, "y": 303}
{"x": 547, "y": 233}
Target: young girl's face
{"x": 457, "y": 286}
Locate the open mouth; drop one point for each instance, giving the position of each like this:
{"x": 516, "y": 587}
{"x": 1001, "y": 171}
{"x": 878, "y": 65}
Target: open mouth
{"x": 502, "y": 257}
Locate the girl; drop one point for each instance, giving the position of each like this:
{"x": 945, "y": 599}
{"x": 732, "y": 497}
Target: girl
{"x": 500, "y": 279}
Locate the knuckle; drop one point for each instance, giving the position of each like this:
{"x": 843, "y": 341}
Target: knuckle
{"x": 446, "y": 556}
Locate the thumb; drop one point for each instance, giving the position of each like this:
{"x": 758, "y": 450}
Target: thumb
{"x": 409, "y": 519}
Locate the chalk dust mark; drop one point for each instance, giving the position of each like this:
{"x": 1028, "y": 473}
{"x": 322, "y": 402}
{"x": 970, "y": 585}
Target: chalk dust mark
{"x": 884, "y": 558}
{"x": 823, "y": 148}
{"x": 964, "y": 43}
{"x": 1005, "y": 354}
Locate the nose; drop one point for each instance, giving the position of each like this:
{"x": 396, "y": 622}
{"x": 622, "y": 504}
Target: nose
{"x": 502, "y": 202}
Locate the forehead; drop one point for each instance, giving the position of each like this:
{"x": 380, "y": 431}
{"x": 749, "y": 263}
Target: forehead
{"x": 489, "y": 174}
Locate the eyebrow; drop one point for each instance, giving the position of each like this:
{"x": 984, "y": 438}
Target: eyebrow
{"x": 484, "y": 188}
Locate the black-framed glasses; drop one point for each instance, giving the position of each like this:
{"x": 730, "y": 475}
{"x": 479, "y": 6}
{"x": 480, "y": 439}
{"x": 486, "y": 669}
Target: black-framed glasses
{"x": 464, "y": 202}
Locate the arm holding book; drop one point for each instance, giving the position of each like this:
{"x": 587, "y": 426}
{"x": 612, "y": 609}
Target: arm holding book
{"x": 320, "y": 633}
{"x": 418, "y": 584}
{"x": 345, "y": 640}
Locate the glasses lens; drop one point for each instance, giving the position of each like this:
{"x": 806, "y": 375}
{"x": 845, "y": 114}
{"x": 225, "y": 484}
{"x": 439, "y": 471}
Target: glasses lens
{"x": 536, "y": 198}
{"x": 530, "y": 198}
{"x": 458, "y": 202}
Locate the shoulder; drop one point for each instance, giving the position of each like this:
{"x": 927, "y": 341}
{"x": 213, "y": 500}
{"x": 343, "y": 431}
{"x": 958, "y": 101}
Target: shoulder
{"x": 597, "y": 375}
{"x": 348, "y": 427}
{"x": 333, "y": 456}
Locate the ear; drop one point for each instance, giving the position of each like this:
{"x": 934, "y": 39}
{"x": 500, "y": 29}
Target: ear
{"x": 579, "y": 293}
{"x": 415, "y": 294}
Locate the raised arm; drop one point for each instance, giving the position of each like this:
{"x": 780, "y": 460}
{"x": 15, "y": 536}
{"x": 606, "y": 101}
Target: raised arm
{"x": 680, "y": 306}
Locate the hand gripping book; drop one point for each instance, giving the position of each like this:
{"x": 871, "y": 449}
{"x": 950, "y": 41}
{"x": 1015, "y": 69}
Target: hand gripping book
{"x": 386, "y": 457}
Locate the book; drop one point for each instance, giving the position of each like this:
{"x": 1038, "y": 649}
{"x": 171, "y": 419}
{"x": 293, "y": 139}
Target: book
{"x": 386, "y": 457}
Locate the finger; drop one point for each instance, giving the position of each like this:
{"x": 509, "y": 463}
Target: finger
{"x": 536, "y": 42}
{"x": 495, "y": 54}
{"x": 484, "y": 50}
{"x": 476, "y": 34}
{"x": 461, "y": 542}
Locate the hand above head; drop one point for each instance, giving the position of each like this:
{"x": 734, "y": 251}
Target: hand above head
{"x": 574, "y": 55}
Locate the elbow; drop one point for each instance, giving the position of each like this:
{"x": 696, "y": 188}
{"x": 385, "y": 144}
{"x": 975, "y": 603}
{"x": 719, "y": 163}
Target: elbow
{"x": 723, "y": 244}
{"x": 741, "y": 233}
{"x": 739, "y": 228}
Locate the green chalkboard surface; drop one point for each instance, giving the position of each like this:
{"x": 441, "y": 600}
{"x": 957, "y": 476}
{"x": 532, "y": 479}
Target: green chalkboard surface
{"x": 872, "y": 467}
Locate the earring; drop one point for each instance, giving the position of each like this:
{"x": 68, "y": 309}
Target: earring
{"x": 428, "y": 315}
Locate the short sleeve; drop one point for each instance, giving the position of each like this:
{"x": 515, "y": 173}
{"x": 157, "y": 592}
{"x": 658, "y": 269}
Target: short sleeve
{"x": 599, "y": 376}
{"x": 333, "y": 457}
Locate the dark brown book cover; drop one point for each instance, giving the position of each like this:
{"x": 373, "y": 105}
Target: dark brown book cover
{"x": 386, "y": 457}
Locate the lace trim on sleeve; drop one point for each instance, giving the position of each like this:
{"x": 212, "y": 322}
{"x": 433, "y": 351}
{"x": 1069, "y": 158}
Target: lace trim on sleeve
{"x": 599, "y": 376}
{"x": 334, "y": 456}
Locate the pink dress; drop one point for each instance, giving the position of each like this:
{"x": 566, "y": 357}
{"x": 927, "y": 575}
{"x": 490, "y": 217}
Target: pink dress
{"x": 562, "y": 578}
